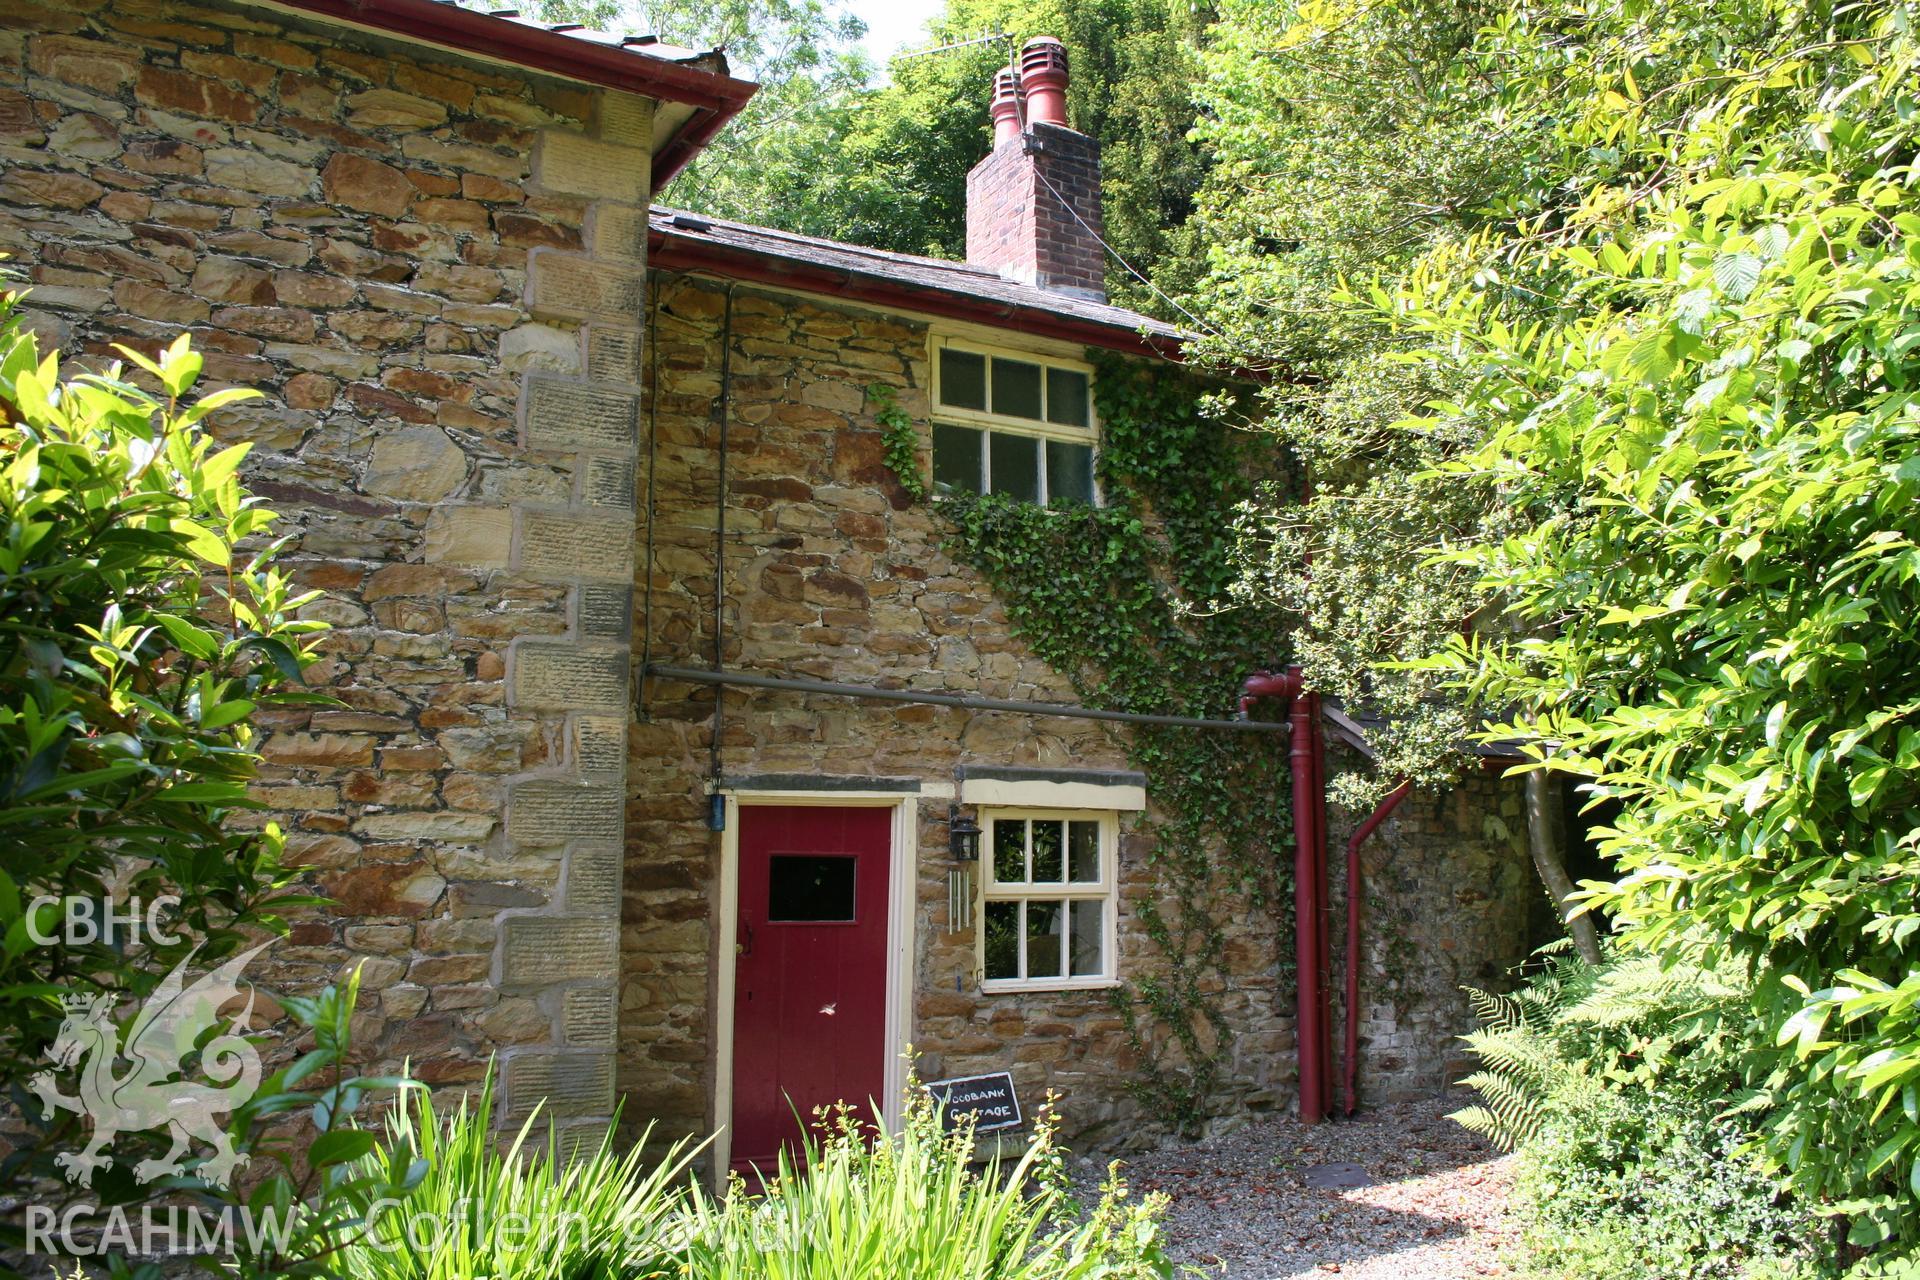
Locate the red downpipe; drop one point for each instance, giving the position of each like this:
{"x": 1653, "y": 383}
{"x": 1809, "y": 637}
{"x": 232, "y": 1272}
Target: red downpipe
{"x": 1325, "y": 977}
{"x": 1350, "y": 1057}
{"x": 1313, "y": 1045}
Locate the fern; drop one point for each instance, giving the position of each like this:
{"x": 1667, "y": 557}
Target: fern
{"x": 1554, "y": 1047}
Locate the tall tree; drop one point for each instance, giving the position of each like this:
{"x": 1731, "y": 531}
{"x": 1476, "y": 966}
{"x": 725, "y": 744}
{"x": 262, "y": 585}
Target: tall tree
{"x": 886, "y": 166}
{"x": 1354, "y": 142}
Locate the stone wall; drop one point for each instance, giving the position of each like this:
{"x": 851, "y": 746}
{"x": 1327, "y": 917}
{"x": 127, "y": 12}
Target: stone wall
{"x": 435, "y": 272}
{"x": 433, "y": 269}
{"x": 834, "y": 573}
{"x": 1451, "y": 900}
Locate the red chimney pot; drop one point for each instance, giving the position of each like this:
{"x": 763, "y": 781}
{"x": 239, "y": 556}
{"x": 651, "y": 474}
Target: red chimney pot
{"x": 1043, "y": 77}
{"x": 1005, "y": 111}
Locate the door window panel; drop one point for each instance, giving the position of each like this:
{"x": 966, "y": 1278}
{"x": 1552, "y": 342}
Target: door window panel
{"x": 810, "y": 888}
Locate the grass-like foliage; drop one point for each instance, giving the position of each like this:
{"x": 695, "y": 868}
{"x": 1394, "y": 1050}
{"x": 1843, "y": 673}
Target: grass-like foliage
{"x": 861, "y": 1205}
{"x": 910, "y": 1205}
{"x": 523, "y": 1208}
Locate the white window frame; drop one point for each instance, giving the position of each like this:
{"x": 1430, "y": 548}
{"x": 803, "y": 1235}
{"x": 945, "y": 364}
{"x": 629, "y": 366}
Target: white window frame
{"x": 989, "y": 422}
{"x": 1106, "y": 891}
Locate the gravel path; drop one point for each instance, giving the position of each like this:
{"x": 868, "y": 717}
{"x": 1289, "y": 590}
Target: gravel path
{"x": 1240, "y": 1204}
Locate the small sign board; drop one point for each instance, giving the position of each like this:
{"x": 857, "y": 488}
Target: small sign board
{"x": 989, "y": 1099}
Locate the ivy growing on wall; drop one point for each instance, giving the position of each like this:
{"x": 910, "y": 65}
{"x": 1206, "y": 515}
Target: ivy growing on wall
{"x": 1120, "y": 599}
{"x": 898, "y": 439}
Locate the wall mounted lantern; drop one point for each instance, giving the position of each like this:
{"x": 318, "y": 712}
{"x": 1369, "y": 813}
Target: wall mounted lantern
{"x": 963, "y": 835}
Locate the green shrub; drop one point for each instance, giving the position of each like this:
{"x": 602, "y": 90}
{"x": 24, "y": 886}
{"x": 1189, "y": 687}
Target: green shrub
{"x": 1695, "y": 387}
{"x": 1622, "y": 1088}
{"x": 141, "y": 624}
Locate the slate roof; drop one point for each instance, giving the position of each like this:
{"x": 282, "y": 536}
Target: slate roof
{"x": 935, "y": 277}
{"x": 651, "y": 46}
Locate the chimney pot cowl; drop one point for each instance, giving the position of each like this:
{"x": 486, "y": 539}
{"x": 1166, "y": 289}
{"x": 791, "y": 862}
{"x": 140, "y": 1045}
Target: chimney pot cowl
{"x": 1043, "y": 78}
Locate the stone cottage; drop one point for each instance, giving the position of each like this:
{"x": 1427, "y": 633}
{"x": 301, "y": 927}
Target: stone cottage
{"x": 664, "y": 713}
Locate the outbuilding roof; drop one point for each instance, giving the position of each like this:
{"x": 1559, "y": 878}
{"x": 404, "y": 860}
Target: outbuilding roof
{"x": 681, "y": 241}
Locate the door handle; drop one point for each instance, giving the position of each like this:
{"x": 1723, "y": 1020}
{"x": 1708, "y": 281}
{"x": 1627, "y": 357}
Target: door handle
{"x": 745, "y": 948}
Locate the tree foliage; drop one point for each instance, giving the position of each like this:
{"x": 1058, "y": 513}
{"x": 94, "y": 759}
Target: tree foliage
{"x": 1352, "y": 141}
{"x": 1710, "y": 445}
{"x": 142, "y": 622}
{"x": 886, "y": 165}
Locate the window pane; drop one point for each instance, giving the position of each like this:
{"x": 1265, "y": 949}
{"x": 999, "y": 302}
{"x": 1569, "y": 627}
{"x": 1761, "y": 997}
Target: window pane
{"x": 1043, "y": 938}
{"x": 1016, "y": 389}
{"x": 1016, "y": 466}
{"x": 1067, "y": 397}
{"x": 1002, "y": 936}
{"x": 809, "y": 887}
{"x": 956, "y": 459}
{"x": 1083, "y": 852}
{"x": 1046, "y": 850}
{"x": 963, "y": 379}
{"x": 1009, "y": 850}
{"x": 1069, "y": 473}
{"x": 1086, "y": 951}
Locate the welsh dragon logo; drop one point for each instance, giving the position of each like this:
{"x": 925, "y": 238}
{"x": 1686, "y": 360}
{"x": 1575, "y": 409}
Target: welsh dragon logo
{"x": 147, "y": 1095}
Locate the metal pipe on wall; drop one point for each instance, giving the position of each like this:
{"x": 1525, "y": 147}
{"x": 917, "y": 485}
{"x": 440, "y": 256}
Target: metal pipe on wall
{"x": 724, "y": 406}
{"x": 965, "y": 702}
{"x": 1350, "y": 1057}
{"x": 1312, "y": 1045}
{"x": 1309, "y": 1024}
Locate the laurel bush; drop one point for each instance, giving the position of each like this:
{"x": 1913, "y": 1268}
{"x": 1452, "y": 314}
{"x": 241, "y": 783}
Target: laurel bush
{"x": 142, "y": 623}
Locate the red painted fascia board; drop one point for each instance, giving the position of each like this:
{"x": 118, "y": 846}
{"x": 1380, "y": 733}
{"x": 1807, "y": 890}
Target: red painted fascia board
{"x": 715, "y": 98}
{"x": 686, "y": 144}
{"x": 677, "y": 253}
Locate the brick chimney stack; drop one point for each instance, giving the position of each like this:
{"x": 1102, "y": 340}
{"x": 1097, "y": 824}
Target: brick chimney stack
{"x": 1016, "y": 222}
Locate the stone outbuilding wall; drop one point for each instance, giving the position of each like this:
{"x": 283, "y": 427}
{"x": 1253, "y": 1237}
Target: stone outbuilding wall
{"x": 433, "y": 269}
{"x": 1450, "y": 901}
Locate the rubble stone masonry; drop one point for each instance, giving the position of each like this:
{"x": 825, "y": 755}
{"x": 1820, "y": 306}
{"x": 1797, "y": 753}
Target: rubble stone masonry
{"x": 435, "y": 272}
{"x": 834, "y": 573}
{"x": 432, "y": 268}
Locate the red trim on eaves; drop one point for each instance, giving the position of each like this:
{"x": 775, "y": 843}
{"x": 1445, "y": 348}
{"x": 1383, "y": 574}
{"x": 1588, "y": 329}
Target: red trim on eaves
{"x": 715, "y": 98}
{"x": 669, "y": 252}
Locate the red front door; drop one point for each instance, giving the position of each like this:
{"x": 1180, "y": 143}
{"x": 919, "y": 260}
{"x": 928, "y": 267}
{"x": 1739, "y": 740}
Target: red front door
{"x": 810, "y": 976}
